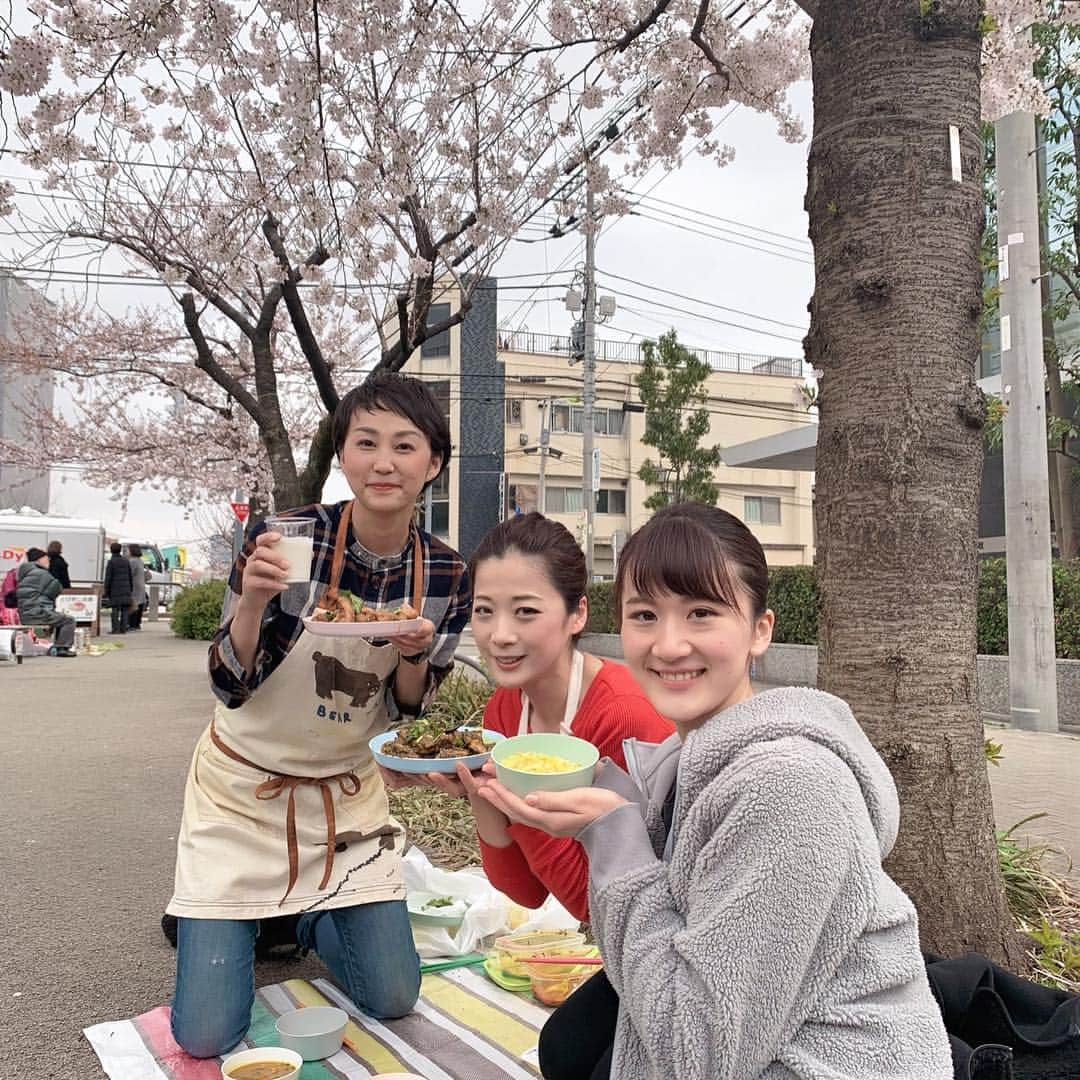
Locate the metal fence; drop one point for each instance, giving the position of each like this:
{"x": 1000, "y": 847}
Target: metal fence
{"x": 525, "y": 341}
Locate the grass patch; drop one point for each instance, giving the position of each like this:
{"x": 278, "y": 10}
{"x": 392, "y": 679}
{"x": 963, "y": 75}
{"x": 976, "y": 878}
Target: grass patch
{"x": 1045, "y": 906}
{"x": 441, "y": 826}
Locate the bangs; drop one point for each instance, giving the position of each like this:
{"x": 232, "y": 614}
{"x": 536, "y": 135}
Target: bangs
{"x": 677, "y": 556}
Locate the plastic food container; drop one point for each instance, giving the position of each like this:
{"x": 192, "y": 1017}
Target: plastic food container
{"x": 583, "y": 754}
{"x": 262, "y": 1055}
{"x": 510, "y": 950}
{"x": 554, "y": 983}
{"x": 314, "y": 1033}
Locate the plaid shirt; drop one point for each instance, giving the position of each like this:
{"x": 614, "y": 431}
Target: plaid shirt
{"x": 381, "y": 581}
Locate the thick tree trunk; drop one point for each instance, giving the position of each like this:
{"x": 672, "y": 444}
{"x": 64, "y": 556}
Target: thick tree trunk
{"x": 894, "y": 330}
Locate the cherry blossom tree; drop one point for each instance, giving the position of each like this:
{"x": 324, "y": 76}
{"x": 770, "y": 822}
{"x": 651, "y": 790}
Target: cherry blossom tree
{"x": 352, "y": 157}
{"x": 268, "y": 161}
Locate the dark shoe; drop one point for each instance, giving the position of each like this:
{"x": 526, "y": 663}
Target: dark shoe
{"x": 63, "y": 652}
{"x": 168, "y": 928}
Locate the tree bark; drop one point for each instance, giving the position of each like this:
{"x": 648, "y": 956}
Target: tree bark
{"x": 894, "y": 332}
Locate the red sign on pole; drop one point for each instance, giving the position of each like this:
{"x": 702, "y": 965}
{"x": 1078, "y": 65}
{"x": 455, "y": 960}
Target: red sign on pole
{"x": 240, "y": 509}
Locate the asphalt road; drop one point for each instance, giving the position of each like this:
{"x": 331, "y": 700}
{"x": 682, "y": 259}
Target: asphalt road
{"x": 91, "y": 783}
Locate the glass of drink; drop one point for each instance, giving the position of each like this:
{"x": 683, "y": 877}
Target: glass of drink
{"x": 297, "y": 544}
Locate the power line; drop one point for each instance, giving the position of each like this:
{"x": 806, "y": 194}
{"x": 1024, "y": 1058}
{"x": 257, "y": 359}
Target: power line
{"x": 724, "y": 230}
{"x": 706, "y": 303}
{"x": 720, "y": 239}
{"x": 730, "y": 221}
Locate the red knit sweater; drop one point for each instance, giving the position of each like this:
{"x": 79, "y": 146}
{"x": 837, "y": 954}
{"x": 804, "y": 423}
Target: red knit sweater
{"x": 536, "y": 864}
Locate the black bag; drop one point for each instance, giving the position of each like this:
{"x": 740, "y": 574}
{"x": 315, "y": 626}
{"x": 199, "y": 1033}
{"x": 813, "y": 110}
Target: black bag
{"x": 11, "y": 599}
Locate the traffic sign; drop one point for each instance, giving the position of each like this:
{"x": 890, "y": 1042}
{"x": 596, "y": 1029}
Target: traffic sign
{"x": 241, "y": 510}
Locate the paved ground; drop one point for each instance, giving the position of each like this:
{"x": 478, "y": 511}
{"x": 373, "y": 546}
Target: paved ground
{"x": 91, "y": 780}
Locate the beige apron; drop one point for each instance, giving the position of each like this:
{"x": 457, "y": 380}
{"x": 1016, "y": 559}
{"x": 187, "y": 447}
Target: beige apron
{"x": 315, "y": 831}
{"x": 573, "y": 698}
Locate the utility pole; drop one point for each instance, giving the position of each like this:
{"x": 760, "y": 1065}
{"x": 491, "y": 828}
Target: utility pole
{"x": 545, "y": 442}
{"x": 588, "y": 398}
{"x": 1032, "y": 652}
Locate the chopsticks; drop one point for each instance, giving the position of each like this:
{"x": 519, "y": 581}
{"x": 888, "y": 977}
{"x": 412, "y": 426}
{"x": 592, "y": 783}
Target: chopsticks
{"x": 592, "y": 961}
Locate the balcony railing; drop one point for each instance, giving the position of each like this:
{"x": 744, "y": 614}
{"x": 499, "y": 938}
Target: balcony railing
{"x": 525, "y": 341}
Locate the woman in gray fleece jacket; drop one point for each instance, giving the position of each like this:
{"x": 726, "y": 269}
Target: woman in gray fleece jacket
{"x": 736, "y": 886}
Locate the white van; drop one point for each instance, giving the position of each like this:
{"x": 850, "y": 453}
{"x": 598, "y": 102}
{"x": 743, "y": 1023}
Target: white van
{"x": 83, "y": 542}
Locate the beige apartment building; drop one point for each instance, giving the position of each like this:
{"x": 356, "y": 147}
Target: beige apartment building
{"x": 531, "y": 385}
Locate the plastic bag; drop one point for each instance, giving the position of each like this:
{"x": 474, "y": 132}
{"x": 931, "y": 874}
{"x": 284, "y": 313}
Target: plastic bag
{"x": 490, "y": 912}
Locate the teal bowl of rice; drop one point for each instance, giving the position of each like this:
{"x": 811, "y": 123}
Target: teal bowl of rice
{"x": 544, "y": 762}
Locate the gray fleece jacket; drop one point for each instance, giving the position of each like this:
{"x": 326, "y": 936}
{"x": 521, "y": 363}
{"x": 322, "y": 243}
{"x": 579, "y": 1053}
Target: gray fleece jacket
{"x": 773, "y": 944}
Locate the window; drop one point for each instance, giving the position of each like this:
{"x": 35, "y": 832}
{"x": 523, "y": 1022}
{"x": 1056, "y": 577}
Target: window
{"x": 611, "y": 501}
{"x": 563, "y": 500}
{"x": 521, "y": 498}
{"x": 570, "y": 419}
{"x": 608, "y": 421}
{"x": 439, "y": 345}
{"x": 513, "y": 412}
{"x": 439, "y": 523}
{"x": 761, "y": 510}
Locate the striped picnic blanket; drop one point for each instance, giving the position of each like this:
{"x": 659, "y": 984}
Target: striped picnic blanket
{"x": 464, "y": 1027}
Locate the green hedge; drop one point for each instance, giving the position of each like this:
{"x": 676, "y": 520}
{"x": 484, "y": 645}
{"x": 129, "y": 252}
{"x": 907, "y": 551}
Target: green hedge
{"x": 793, "y": 597}
{"x": 994, "y": 608}
{"x": 197, "y": 610}
{"x": 794, "y": 600}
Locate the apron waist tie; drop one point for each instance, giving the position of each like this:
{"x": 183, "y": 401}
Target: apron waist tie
{"x": 275, "y": 784}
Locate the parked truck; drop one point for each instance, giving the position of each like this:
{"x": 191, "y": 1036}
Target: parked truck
{"x": 83, "y": 541}
{"x": 85, "y": 547}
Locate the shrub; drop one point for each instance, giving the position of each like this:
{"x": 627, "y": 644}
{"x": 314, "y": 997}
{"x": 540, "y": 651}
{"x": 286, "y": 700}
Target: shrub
{"x": 993, "y": 625}
{"x": 994, "y": 608}
{"x": 601, "y": 609}
{"x": 197, "y": 610}
{"x": 794, "y": 600}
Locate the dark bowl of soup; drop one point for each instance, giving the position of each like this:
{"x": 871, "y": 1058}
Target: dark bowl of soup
{"x": 262, "y": 1063}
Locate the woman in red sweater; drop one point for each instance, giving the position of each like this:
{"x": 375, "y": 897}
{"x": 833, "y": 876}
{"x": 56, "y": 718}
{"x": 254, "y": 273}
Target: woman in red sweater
{"x": 529, "y": 608}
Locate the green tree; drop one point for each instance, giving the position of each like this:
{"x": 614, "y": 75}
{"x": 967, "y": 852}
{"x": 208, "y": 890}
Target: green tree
{"x": 672, "y": 389}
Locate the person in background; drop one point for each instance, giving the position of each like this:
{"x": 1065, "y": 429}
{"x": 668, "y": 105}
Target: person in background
{"x": 139, "y": 574}
{"x": 36, "y": 591}
{"x": 118, "y": 589}
{"x": 58, "y": 566}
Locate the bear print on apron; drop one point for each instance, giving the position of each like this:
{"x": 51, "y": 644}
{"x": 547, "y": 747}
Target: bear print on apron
{"x": 315, "y": 830}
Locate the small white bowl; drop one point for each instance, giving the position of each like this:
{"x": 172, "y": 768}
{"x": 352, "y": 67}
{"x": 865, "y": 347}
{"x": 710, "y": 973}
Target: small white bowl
{"x": 315, "y": 1032}
{"x": 261, "y": 1054}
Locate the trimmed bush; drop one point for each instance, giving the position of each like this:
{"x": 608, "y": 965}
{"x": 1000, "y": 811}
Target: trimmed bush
{"x": 601, "y": 609}
{"x": 793, "y": 597}
{"x": 794, "y": 600}
{"x": 994, "y": 608}
{"x": 197, "y": 610}
{"x": 993, "y": 626}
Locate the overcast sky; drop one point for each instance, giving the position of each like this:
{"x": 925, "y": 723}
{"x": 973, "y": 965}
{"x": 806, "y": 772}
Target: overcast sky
{"x": 757, "y": 262}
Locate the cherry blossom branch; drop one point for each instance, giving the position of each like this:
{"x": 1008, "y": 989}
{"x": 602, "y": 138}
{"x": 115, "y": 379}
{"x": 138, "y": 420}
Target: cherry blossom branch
{"x": 204, "y": 360}
{"x": 305, "y": 336}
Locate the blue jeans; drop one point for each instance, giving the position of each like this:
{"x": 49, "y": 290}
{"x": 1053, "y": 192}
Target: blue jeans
{"x": 368, "y": 948}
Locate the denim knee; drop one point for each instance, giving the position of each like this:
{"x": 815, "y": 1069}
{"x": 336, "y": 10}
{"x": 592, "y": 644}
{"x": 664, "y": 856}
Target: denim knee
{"x": 210, "y": 1034}
{"x": 215, "y": 984}
{"x": 394, "y": 997}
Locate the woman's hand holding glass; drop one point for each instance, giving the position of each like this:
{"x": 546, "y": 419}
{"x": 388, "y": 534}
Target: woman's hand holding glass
{"x": 264, "y": 573}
